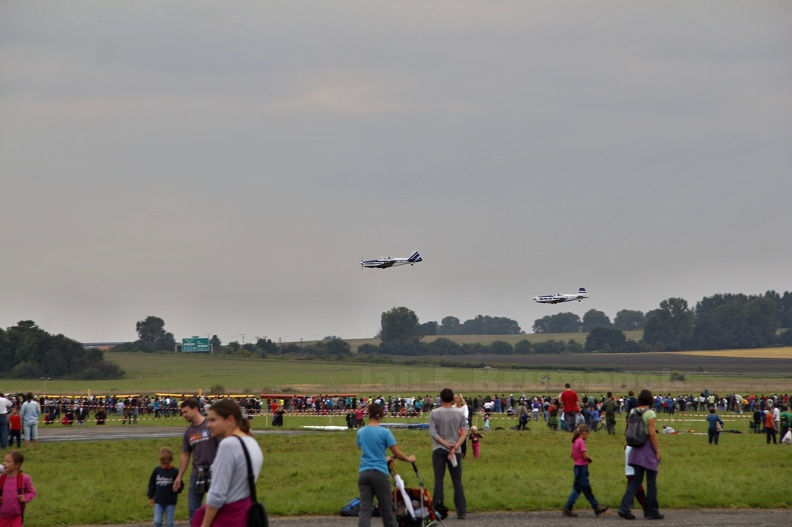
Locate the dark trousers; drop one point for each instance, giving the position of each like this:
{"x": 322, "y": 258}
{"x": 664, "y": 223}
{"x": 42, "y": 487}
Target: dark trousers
{"x": 639, "y": 495}
{"x": 581, "y": 485}
{"x": 439, "y": 463}
{"x": 771, "y": 432}
{"x": 15, "y": 434}
{"x": 375, "y": 483}
{"x": 713, "y": 435}
{"x": 652, "y": 508}
{"x": 3, "y": 430}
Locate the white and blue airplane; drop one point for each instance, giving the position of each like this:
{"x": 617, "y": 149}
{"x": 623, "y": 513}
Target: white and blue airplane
{"x": 558, "y": 297}
{"x": 385, "y": 262}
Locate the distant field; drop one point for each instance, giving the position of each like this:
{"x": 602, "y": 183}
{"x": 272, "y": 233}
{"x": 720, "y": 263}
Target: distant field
{"x": 591, "y": 372}
{"x": 511, "y": 339}
{"x": 762, "y": 353}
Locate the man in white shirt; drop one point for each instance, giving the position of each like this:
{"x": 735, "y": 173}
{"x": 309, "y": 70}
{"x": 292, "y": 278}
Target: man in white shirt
{"x": 5, "y": 409}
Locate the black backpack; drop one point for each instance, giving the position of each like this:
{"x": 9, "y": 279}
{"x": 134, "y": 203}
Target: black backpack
{"x": 635, "y": 434}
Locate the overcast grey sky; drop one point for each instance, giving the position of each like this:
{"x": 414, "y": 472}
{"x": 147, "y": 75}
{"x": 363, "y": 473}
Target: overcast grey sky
{"x": 225, "y": 165}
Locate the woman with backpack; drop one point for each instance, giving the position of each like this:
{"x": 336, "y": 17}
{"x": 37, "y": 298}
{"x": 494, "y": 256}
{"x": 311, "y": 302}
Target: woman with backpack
{"x": 645, "y": 459}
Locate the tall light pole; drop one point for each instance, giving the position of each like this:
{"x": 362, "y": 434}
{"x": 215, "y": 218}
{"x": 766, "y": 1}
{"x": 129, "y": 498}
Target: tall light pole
{"x": 45, "y": 379}
{"x": 545, "y": 377}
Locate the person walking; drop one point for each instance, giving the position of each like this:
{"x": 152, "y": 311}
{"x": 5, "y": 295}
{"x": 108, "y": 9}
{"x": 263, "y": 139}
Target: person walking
{"x": 646, "y": 461}
{"x": 161, "y": 494}
{"x": 5, "y": 411}
{"x": 715, "y": 426}
{"x": 448, "y": 429}
{"x": 609, "y": 407}
{"x": 199, "y": 444}
{"x": 30, "y": 413}
{"x": 581, "y": 458}
{"x": 373, "y": 441}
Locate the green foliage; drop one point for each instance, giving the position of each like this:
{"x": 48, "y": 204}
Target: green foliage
{"x": 604, "y": 338}
{"x": 217, "y": 389}
{"x": 152, "y": 335}
{"x": 593, "y": 318}
{"x": 671, "y": 326}
{"x": 629, "y": 320}
{"x": 736, "y": 324}
{"x": 558, "y": 323}
{"x": 399, "y": 325}
{"x": 27, "y": 351}
{"x": 677, "y": 376}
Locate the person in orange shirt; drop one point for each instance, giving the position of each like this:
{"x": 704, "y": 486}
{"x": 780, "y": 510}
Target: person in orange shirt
{"x": 15, "y": 428}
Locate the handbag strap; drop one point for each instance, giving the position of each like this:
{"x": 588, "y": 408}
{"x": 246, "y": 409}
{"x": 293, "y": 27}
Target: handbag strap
{"x": 251, "y": 479}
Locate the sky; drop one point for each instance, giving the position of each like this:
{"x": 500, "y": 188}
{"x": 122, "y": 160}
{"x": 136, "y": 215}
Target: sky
{"x": 225, "y": 166}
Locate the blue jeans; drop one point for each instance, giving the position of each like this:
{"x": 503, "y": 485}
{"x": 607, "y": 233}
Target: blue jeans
{"x": 194, "y": 498}
{"x": 169, "y": 511}
{"x": 652, "y": 508}
{"x": 581, "y": 485}
{"x": 3, "y": 430}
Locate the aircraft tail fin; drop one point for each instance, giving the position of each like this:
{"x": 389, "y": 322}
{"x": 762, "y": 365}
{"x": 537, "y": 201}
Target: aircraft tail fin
{"x": 415, "y": 257}
{"x": 582, "y": 291}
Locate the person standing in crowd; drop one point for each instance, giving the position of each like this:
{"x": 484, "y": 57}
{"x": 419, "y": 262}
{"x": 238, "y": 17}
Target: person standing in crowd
{"x": 30, "y": 413}
{"x": 461, "y": 405}
{"x": 770, "y": 425}
{"x": 570, "y": 404}
{"x": 609, "y": 407}
{"x": 448, "y": 429}
{"x": 785, "y": 420}
{"x": 228, "y": 501}
{"x": 15, "y": 428}
{"x": 198, "y": 443}
{"x": 581, "y": 484}
{"x": 5, "y": 411}
{"x": 552, "y": 416}
{"x": 373, "y": 475}
{"x": 715, "y": 426}
{"x": 646, "y": 461}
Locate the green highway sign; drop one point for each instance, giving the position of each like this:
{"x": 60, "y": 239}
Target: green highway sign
{"x": 196, "y": 345}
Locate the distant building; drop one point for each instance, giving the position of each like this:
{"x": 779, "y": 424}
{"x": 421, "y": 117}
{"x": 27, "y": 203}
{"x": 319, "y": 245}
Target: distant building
{"x": 104, "y": 346}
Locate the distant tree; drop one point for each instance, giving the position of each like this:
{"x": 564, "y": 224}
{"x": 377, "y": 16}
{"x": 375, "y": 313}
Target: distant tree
{"x": 573, "y": 346}
{"x": 629, "y": 320}
{"x": 29, "y": 351}
{"x": 549, "y": 346}
{"x": 450, "y": 326}
{"x": 671, "y": 326}
{"x": 367, "y": 349}
{"x": 523, "y": 347}
{"x": 216, "y": 343}
{"x": 337, "y": 347}
{"x": 487, "y": 325}
{"x": 429, "y": 328}
{"x": 593, "y": 318}
{"x": 152, "y": 335}
{"x": 443, "y": 346}
{"x": 266, "y": 345}
{"x": 786, "y": 338}
{"x": 737, "y": 324}
{"x": 500, "y": 347}
{"x": 234, "y": 345}
{"x": 399, "y": 324}
{"x": 558, "y": 323}
{"x": 604, "y": 338}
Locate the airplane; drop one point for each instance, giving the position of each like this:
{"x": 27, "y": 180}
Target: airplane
{"x": 386, "y": 261}
{"x": 558, "y": 297}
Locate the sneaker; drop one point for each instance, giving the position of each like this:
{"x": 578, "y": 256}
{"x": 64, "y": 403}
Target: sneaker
{"x": 599, "y": 510}
{"x": 626, "y": 515}
{"x": 655, "y": 517}
{"x": 570, "y": 513}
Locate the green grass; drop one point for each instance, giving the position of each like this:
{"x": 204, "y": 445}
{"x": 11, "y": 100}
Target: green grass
{"x": 315, "y": 473}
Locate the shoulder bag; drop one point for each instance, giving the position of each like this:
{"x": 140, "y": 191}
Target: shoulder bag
{"x": 257, "y": 517}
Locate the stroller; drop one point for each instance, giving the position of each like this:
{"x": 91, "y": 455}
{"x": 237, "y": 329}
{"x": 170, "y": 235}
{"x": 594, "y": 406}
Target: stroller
{"x": 413, "y": 505}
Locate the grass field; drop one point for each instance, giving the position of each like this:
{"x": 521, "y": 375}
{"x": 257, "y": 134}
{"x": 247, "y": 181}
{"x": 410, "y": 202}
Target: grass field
{"x": 315, "y": 473}
{"x": 187, "y": 373}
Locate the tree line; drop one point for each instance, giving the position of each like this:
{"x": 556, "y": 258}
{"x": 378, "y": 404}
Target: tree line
{"x": 27, "y": 351}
